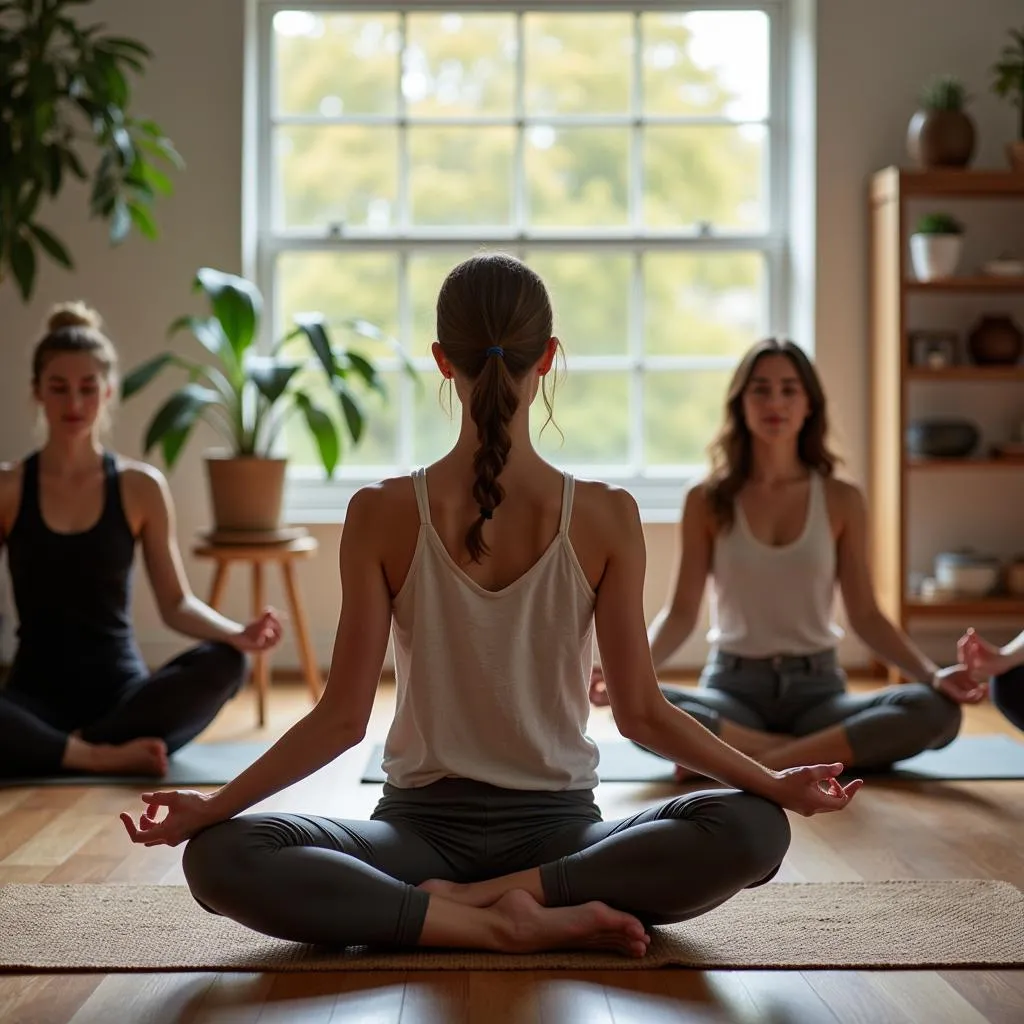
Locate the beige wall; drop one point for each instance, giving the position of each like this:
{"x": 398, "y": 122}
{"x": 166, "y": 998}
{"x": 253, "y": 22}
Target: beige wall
{"x": 872, "y": 58}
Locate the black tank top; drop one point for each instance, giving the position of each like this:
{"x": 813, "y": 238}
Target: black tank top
{"x": 73, "y": 596}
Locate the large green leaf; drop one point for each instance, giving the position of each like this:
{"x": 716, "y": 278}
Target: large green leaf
{"x": 355, "y": 418}
{"x": 271, "y": 376}
{"x": 368, "y": 330}
{"x": 180, "y": 411}
{"x": 236, "y": 303}
{"x": 53, "y": 246}
{"x": 142, "y": 375}
{"x": 367, "y": 371}
{"x": 321, "y": 426}
{"x": 313, "y": 326}
{"x": 23, "y": 264}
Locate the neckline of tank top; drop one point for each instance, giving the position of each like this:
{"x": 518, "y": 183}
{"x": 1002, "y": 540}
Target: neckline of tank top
{"x": 812, "y": 492}
{"x": 109, "y": 474}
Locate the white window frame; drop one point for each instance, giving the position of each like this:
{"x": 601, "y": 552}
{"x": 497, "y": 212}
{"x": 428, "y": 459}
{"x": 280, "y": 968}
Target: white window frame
{"x": 658, "y": 491}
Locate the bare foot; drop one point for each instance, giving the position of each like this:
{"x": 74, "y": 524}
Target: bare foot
{"x": 524, "y": 926}
{"x": 468, "y": 894}
{"x": 145, "y": 756}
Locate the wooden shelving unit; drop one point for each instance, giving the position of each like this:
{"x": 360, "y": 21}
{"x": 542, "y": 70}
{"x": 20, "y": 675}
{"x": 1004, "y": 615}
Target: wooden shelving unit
{"x": 892, "y": 377}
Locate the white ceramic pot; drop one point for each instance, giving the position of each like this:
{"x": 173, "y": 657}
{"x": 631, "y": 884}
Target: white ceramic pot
{"x": 966, "y": 573}
{"x": 935, "y": 256}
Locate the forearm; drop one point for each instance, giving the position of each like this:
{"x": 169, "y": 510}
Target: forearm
{"x": 893, "y": 646}
{"x": 682, "y": 739}
{"x": 312, "y": 742}
{"x": 196, "y": 619}
{"x": 667, "y": 633}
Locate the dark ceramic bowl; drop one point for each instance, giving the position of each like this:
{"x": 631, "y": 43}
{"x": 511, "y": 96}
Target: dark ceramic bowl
{"x": 941, "y": 439}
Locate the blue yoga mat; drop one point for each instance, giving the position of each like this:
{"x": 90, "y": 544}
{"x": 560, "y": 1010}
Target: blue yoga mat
{"x": 969, "y": 757}
{"x": 198, "y": 764}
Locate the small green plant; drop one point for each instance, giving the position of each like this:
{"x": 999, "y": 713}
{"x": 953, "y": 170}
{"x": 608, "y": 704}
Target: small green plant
{"x": 250, "y": 396}
{"x": 65, "y": 95}
{"x": 939, "y": 224}
{"x": 1008, "y": 72}
{"x": 946, "y": 92}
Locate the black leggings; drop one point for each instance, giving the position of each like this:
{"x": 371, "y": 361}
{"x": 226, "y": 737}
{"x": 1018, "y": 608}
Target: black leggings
{"x": 176, "y": 703}
{"x": 323, "y": 880}
{"x": 1008, "y": 695}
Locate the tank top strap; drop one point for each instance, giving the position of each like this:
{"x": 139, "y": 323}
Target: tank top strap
{"x": 29, "y": 504}
{"x": 419, "y": 485}
{"x": 568, "y": 490}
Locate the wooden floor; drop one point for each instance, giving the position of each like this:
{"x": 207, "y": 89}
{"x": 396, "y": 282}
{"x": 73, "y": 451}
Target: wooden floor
{"x": 965, "y": 830}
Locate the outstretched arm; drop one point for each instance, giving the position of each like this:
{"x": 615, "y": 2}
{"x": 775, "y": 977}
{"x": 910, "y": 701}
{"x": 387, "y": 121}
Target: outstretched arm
{"x": 645, "y": 716}
{"x": 339, "y": 719}
{"x": 674, "y": 623}
{"x": 885, "y": 639}
{"x": 179, "y": 608}
{"x": 984, "y": 659}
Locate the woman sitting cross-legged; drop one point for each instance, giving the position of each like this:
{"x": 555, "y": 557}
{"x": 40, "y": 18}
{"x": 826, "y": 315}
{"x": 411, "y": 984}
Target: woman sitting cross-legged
{"x": 775, "y": 530}
{"x": 79, "y": 697}
{"x": 493, "y": 569}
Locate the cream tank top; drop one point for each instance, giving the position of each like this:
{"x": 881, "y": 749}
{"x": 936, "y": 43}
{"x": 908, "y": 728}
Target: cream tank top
{"x": 492, "y": 685}
{"x": 767, "y": 600}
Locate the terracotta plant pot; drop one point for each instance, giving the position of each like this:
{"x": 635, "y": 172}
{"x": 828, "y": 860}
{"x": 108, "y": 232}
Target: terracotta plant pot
{"x": 246, "y": 492}
{"x": 940, "y": 138}
{"x": 995, "y": 341}
{"x": 1015, "y": 154}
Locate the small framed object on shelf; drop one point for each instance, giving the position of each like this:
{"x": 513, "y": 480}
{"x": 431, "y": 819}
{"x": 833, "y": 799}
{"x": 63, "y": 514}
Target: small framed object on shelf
{"x": 934, "y": 349}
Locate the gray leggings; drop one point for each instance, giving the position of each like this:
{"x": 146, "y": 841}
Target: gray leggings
{"x": 800, "y": 695}
{"x": 321, "y": 880}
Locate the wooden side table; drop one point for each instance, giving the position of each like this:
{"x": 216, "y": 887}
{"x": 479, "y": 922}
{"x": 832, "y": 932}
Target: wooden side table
{"x": 257, "y": 555}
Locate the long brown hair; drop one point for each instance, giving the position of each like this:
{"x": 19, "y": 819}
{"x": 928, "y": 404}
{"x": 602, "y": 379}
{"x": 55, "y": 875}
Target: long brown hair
{"x": 732, "y": 450}
{"x": 494, "y": 322}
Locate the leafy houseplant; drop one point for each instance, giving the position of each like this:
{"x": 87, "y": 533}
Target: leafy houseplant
{"x": 64, "y": 86}
{"x": 248, "y": 397}
{"x": 935, "y": 246}
{"x": 1009, "y": 84}
{"x": 941, "y": 134}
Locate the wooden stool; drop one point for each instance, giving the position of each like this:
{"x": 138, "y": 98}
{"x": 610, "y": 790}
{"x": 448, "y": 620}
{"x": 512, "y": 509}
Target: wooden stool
{"x": 256, "y": 555}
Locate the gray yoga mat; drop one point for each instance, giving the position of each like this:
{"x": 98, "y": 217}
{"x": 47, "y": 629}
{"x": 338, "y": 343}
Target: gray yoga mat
{"x": 969, "y": 757}
{"x": 198, "y": 764}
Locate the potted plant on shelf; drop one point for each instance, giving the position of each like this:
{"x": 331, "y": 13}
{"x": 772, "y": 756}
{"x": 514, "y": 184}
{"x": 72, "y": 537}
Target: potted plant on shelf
{"x": 1009, "y": 83}
{"x": 935, "y": 246}
{"x": 941, "y": 134}
{"x": 65, "y": 85}
{"x": 248, "y": 396}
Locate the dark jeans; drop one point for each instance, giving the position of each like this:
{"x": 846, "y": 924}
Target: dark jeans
{"x": 176, "y": 703}
{"x": 796, "y": 695}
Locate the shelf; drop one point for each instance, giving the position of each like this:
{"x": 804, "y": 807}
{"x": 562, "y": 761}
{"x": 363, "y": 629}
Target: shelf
{"x": 963, "y": 184}
{"x": 1005, "y": 462}
{"x": 966, "y": 607}
{"x": 979, "y": 374}
{"x": 977, "y": 283}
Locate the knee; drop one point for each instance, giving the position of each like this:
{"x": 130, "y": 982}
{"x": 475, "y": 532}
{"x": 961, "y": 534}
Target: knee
{"x": 939, "y": 717}
{"x": 224, "y": 664}
{"x": 215, "y": 858}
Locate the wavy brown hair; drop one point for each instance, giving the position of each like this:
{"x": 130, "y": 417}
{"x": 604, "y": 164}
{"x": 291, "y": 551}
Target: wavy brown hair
{"x": 488, "y": 301}
{"x": 732, "y": 449}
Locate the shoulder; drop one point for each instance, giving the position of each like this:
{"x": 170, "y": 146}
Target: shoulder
{"x": 602, "y": 504}
{"x": 140, "y": 479}
{"x": 376, "y": 506}
{"x": 844, "y": 495}
{"x": 10, "y": 488}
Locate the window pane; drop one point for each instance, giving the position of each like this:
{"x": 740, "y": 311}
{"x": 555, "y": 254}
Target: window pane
{"x": 592, "y": 411}
{"x": 712, "y": 304}
{"x": 461, "y": 175}
{"x": 682, "y": 413}
{"x": 434, "y": 430}
{"x": 378, "y": 445}
{"x": 713, "y": 175}
{"x": 427, "y": 270}
{"x": 458, "y": 64}
{"x": 337, "y": 175}
{"x": 336, "y": 64}
{"x": 341, "y": 287}
{"x": 590, "y": 295}
{"x": 578, "y": 63}
{"x": 577, "y": 176}
{"x": 706, "y": 63}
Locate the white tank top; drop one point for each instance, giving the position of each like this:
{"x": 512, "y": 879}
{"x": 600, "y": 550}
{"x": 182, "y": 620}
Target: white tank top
{"x": 492, "y": 685}
{"x": 775, "y": 600}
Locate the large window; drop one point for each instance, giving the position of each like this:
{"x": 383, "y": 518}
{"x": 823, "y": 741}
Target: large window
{"x": 633, "y": 153}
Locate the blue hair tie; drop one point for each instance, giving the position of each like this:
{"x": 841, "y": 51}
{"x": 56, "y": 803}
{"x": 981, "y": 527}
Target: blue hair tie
{"x": 496, "y": 350}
